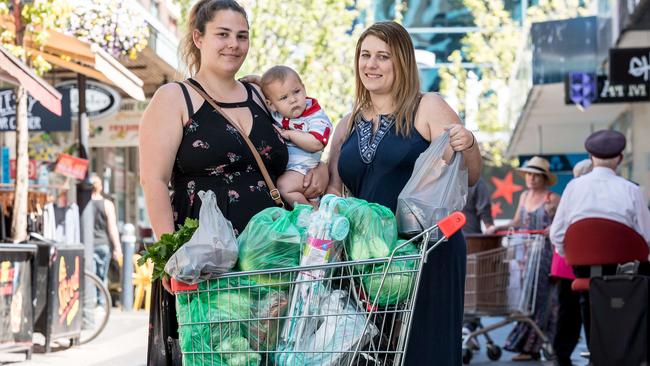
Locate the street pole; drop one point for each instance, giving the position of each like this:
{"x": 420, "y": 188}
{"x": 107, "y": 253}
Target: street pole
{"x": 19, "y": 211}
{"x": 86, "y": 212}
{"x": 128, "y": 240}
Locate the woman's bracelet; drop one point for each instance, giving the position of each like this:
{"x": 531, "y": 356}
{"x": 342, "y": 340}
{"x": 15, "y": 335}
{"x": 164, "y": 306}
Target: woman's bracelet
{"x": 473, "y": 142}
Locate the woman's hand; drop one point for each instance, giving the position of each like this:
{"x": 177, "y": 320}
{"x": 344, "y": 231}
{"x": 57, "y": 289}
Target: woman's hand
{"x": 460, "y": 138}
{"x": 316, "y": 181}
{"x": 491, "y": 230}
{"x": 253, "y": 79}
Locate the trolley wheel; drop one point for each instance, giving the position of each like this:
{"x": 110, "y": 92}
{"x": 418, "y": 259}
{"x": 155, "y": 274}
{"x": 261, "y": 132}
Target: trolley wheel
{"x": 467, "y": 356}
{"x": 493, "y": 352}
{"x": 548, "y": 351}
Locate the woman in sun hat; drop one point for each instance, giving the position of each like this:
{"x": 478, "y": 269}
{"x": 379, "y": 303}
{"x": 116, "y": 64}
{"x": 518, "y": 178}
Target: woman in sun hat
{"x": 537, "y": 206}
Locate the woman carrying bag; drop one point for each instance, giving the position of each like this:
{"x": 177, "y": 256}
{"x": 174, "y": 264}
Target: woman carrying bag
{"x": 373, "y": 152}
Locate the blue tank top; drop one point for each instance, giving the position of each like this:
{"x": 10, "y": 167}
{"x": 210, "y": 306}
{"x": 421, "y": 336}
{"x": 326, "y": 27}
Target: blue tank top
{"x": 376, "y": 166}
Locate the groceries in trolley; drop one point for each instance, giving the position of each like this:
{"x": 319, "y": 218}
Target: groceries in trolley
{"x": 312, "y": 287}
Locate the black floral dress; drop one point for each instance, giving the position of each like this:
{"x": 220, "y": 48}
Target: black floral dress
{"x": 213, "y": 156}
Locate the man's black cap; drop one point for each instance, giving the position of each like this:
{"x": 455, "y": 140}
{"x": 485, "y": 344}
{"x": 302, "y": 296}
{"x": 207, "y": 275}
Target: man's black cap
{"x": 605, "y": 144}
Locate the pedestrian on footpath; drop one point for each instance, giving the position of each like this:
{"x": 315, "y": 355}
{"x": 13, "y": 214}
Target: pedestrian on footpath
{"x": 373, "y": 152}
{"x": 106, "y": 235}
{"x": 570, "y": 318}
{"x": 537, "y": 206}
{"x": 598, "y": 194}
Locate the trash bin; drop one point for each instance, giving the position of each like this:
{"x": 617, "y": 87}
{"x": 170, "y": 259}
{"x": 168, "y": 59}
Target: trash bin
{"x": 59, "y": 291}
{"x": 16, "y": 294}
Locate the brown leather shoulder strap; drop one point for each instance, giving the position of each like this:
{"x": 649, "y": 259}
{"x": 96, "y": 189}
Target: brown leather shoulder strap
{"x": 275, "y": 194}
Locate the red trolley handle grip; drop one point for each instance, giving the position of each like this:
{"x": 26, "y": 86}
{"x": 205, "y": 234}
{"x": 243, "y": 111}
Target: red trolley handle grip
{"x": 452, "y": 223}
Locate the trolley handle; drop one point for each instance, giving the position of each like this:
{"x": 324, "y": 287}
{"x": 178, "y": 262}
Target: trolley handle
{"x": 531, "y": 232}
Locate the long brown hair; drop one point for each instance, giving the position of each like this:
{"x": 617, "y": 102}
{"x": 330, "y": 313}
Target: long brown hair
{"x": 406, "y": 88}
{"x": 202, "y": 13}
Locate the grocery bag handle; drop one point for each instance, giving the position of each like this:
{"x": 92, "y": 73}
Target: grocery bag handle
{"x": 275, "y": 194}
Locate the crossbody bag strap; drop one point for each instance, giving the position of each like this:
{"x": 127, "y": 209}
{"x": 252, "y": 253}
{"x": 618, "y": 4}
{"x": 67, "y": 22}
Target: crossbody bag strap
{"x": 275, "y": 194}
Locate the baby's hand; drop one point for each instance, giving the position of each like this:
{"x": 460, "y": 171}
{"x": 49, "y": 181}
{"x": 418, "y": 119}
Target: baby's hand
{"x": 286, "y": 134}
{"x": 253, "y": 79}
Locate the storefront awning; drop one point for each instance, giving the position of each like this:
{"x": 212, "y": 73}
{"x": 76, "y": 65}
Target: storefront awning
{"x": 84, "y": 58}
{"x": 16, "y": 72}
{"x": 548, "y": 126}
{"x": 89, "y": 59}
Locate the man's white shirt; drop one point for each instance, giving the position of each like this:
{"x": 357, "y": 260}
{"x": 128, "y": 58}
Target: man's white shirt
{"x": 600, "y": 194}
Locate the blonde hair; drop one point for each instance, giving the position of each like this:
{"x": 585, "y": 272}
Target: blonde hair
{"x": 277, "y": 73}
{"x": 202, "y": 13}
{"x": 406, "y": 87}
{"x": 582, "y": 167}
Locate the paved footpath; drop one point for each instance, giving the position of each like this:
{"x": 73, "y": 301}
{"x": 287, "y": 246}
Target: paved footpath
{"x": 123, "y": 343}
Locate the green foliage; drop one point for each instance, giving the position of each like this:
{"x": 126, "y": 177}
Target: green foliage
{"x": 315, "y": 37}
{"x": 162, "y": 250}
{"x": 111, "y": 24}
{"x": 495, "y": 49}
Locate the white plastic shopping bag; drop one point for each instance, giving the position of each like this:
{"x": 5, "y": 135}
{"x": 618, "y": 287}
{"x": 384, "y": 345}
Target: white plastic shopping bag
{"x": 434, "y": 190}
{"x": 211, "y": 250}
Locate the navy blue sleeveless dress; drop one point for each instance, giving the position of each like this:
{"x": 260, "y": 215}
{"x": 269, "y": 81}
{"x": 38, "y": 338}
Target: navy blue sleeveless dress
{"x": 375, "y": 167}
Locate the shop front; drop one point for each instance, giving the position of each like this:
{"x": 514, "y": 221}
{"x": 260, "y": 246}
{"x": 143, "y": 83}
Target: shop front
{"x": 592, "y": 76}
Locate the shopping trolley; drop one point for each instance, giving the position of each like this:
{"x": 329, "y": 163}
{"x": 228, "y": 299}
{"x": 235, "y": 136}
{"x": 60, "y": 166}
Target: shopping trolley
{"x": 502, "y": 282}
{"x": 359, "y": 312}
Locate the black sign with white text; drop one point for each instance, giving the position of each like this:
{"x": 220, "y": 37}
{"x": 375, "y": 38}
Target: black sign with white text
{"x": 610, "y": 92}
{"x": 629, "y": 65}
{"x": 40, "y": 119}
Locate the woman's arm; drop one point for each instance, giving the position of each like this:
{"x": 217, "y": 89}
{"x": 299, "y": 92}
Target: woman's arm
{"x": 340, "y": 133}
{"x": 460, "y": 138}
{"x": 161, "y": 132}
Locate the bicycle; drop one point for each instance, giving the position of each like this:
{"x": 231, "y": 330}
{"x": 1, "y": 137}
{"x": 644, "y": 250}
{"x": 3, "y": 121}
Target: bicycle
{"x": 100, "y": 311}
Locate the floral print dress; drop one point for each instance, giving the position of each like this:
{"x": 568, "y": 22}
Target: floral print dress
{"x": 213, "y": 156}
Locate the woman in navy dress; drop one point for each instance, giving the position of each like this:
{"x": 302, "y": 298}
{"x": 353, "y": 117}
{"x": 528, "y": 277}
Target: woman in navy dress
{"x": 373, "y": 152}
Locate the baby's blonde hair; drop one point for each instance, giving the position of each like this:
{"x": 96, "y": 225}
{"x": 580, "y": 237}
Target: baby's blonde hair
{"x": 277, "y": 73}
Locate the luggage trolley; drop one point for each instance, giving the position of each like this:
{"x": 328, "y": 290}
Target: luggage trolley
{"x": 344, "y": 313}
{"x": 502, "y": 282}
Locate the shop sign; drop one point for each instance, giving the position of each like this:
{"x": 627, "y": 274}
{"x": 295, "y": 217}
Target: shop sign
{"x": 15, "y": 301}
{"x": 590, "y": 89}
{"x": 71, "y": 166}
{"x": 32, "y": 171}
{"x": 629, "y": 65}
{"x": 66, "y": 308}
{"x": 558, "y": 162}
{"x": 101, "y": 100}
{"x": 5, "y": 165}
{"x": 39, "y": 117}
{"x": 121, "y": 130}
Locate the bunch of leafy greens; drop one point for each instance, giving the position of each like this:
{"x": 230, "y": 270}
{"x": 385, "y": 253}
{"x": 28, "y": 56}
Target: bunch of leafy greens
{"x": 162, "y": 250}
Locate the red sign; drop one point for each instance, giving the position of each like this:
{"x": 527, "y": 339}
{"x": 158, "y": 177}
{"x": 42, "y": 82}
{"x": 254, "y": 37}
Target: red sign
{"x": 71, "y": 166}
{"x": 31, "y": 170}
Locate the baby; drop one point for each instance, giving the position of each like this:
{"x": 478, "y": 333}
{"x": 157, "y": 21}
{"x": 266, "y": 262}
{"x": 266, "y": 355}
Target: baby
{"x": 301, "y": 122}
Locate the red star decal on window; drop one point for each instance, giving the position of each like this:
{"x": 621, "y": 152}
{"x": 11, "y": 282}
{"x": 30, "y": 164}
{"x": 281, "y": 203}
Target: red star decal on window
{"x": 496, "y": 209}
{"x": 505, "y": 188}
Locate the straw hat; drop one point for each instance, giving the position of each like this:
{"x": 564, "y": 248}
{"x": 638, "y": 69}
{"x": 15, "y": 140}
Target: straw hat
{"x": 541, "y": 166}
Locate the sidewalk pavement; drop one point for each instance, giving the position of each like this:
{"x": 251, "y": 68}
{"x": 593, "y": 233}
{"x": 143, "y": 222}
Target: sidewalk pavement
{"x": 123, "y": 342}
